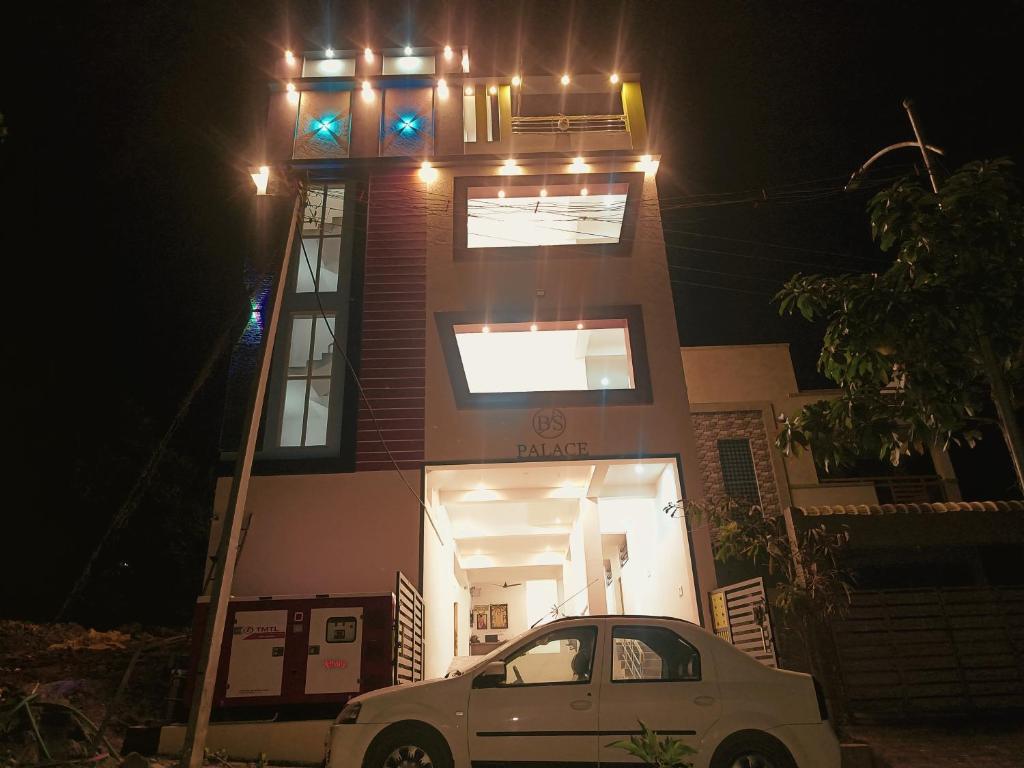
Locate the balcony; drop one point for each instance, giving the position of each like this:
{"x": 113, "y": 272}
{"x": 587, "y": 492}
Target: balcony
{"x": 903, "y": 489}
{"x": 569, "y": 124}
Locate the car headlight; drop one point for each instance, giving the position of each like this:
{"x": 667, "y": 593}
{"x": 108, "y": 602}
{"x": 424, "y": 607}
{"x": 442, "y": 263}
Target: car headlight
{"x": 350, "y": 713}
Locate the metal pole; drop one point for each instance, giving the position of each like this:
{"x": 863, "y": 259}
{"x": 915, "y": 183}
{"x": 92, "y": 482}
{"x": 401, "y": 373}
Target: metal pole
{"x": 909, "y": 106}
{"x": 227, "y": 548}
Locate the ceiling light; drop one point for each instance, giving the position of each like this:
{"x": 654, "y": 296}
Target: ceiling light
{"x": 543, "y": 193}
{"x": 368, "y": 54}
{"x": 517, "y": 80}
{"x": 408, "y": 51}
{"x": 329, "y": 53}
{"x": 533, "y": 326}
{"x": 289, "y": 58}
{"x": 493, "y": 90}
{"x": 565, "y": 80}
{"x": 486, "y": 329}
{"x": 579, "y": 326}
{"x": 614, "y": 79}
{"x": 501, "y": 193}
{"x": 448, "y": 53}
{"x": 584, "y": 192}
{"x": 469, "y": 90}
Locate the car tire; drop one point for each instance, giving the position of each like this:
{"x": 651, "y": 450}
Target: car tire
{"x": 408, "y": 747}
{"x": 752, "y": 749}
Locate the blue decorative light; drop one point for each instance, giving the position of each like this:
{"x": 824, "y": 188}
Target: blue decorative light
{"x": 407, "y": 125}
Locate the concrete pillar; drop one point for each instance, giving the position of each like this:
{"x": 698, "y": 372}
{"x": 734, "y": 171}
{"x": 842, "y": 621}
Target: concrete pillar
{"x": 593, "y": 557}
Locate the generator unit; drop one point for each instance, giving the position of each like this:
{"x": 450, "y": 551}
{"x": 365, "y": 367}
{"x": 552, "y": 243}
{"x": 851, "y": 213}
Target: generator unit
{"x": 304, "y": 656}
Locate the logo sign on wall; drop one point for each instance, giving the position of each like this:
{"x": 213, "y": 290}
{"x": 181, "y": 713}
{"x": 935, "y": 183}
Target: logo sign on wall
{"x": 549, "y": 425}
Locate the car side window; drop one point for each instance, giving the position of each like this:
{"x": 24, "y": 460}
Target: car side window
{"x": 563, "y": 656}
{"x": 650, "y": 654}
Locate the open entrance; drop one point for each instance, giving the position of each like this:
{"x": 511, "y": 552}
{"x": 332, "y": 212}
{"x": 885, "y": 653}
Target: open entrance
{"x": 510, "y": 545}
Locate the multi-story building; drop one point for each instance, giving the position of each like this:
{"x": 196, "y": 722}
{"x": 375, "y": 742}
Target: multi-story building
{"x": 477, "y": 379}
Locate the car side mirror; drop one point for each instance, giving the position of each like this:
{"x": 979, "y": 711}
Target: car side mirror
{"x": 491, "y": 676}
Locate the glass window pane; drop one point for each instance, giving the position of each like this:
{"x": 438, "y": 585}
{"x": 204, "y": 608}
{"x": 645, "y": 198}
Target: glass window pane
{"x": 565, "y": 214}
{"x": 563, "y": 656}
{"x": 408, "y": 65}
{"x": 298, "y": 349}
{"x": 334, "y": 210}
{"x": 291, "y": 420}
{"x": 546, "y": 356}
{"x": 330, "y": 258}
{"x": 469, "y": 118}
{"x": 341, "y": 629}
{"x": 307, "y": 260}
{"x": 652, "y": 653}
{"x": 323, "y": 347}
{"x": 316, "y": 418}
{"x": 312, "y": 214}
{"x": 328, "y": 67}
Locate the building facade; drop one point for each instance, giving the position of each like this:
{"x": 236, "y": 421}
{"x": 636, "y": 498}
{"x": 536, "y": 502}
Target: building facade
{"x": 477, "y": 379}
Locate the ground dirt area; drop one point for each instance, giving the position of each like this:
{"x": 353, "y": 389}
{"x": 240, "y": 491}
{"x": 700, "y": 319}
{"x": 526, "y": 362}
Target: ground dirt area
{"x": 65, "y": 665}
{"x": 962, "y": 743}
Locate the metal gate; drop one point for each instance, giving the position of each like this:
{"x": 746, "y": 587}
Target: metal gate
{"x": 408, "y": 631}
{"x": 740, "y": 615}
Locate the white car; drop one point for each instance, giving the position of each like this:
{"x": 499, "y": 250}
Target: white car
{"x": 561, "y": 693}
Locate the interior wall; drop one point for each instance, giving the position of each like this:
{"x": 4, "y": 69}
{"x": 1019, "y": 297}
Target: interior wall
{"x": 514, "y": 597}
{"x": 441, "y": 590}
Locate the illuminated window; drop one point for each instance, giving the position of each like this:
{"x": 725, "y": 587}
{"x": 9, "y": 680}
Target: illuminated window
{"x": 328, "y": 67}
{"x": 320, "y": 255}
{"x": 546, "y": 357}
{"x": 408, "y": 65}
{"x": 307, "y": 396}
{"x": 518, "y": 215}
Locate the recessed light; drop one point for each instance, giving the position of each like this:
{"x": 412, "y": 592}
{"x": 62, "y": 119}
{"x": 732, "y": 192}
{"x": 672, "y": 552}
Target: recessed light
{"x": 565, "y": 80}
{"x": 517, "y": 80}
{"x": 493, "y": 90}
{"x": 614, "y": 79}
{"x": 469, "y": 90}
{"x": 533, "y": 326}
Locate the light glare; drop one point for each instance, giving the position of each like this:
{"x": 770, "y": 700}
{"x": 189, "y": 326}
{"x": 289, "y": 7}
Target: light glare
{"x": 565, "y": 79}
{"x": 289, "y": 58}
{"x": 261, "y": 177}
{"x": 493, "y": 90}
{"x": 408, "y": 51}
{"x": 448, "y": 53}
{"x": 427, "y": 172}
{"x": 329, "y": 53}
{"x": 614, "y": 79}
{"x": 517, "y": 81}
{"x": 469, "y": 90}
{"x": 368, "y": 54}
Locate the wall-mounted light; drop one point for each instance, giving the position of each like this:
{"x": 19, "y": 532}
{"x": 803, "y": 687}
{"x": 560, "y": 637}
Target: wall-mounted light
{"x": 584, "y": 192}
{"x": 407, "y": 50}
{"x": 367, "y": 91}
{"x": 329, "y": 53}
{"x": 448, "y": 53}
{"x": 293, "y": 95}
{"x": 648, "y": 164}
{"x": 501, "y": 193}
{"x": 427, "y": 172}
{"x": 442, "y": 89}
{"x": 577, "y": 165}
{"x": 565, "y": 79}
{"x": 261, "y": 178}
{"x": 465, "y": 62}
{"x": 493, "y": 90}
{"x": 509, "y": 167}
{"x": 543, "y": 193}
{"x": 469, "y": 90}
{"x": 289, "y": 58}
{"x": 614, "y": 79}
{"x": 485, "y": 329}
{"x": 368, "y": 55}
{"x": 533, "y": 327}
{"x": 579, "y": 326}
{"x": 516, "y": 81}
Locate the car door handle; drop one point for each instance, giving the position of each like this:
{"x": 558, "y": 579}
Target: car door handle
{"x": 704, "y": 701}
{"x": 581, "y": 704}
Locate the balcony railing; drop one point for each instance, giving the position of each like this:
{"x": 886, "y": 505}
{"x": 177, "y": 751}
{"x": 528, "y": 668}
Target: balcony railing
{"x": 570, "y": 124}
{"x": 906, "y": 489}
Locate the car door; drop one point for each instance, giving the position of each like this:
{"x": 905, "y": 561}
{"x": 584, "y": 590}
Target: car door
{"x": 545, "y": 708}
{"x": 655, "y": 675}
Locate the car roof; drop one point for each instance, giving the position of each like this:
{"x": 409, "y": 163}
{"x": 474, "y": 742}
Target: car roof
{"x": 620, "y": 616}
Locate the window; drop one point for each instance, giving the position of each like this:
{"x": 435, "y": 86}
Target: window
{"x": 575, "y": 214}
{"x": 652, "y": 654}
{"x": 341, "y": 629}
{"x": 554, "y": 356}
{"x": 562, "y": 656}
{"x": 320, "y": 254}
{"x": 555, "y": 214}
{"x": 328, "y": 67}
{"x": 481, "y": 108}
{"x": 738, "y": 469}
{"x": 408, "y": 65}
{"x": 596, "y": 357}
{"x": 308, "y": 387}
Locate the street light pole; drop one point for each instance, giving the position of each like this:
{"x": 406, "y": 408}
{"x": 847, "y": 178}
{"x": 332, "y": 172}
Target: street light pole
{"x": 231, "y": 526}
{"x": 909, "y": 106}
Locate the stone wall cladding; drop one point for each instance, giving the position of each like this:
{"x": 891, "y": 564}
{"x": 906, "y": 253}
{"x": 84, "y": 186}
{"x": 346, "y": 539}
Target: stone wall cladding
{"x": 713, "y": 426}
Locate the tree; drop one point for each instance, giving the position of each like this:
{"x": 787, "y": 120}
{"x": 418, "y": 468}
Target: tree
{"x": 919, "y": 350}
{"x": 804, "y": 565}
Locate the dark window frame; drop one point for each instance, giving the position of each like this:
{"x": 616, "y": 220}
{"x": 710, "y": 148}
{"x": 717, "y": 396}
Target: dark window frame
{"x": 611, "y": 671}
{"x": 591, "y": 628}
{"x": 460, "y": 205}
{"x": 641, "y": 394}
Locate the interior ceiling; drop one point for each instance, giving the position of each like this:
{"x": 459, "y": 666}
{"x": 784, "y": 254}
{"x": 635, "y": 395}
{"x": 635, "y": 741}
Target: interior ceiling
{"x": 520, "y": 516}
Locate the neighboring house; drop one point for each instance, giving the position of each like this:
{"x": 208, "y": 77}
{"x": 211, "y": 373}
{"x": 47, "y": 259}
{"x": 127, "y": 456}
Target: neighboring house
{"x": 937, "y": 619}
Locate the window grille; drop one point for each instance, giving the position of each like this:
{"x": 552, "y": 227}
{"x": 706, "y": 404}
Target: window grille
{"x": 738, "y": 470}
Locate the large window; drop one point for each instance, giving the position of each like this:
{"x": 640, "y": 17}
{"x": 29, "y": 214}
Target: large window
{"x": 545, "y": 215}
{"x": 577, "y": 214}
{"x": 559, "y": 356}
{"x": 596, "y": 357}
{"x": 307, "y": 394}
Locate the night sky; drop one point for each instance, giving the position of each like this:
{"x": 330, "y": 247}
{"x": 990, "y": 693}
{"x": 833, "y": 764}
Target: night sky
{"x": 131, "y": 125}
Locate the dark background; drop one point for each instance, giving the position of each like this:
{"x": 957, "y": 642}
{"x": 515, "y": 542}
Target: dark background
{"x": 131, "y": 125}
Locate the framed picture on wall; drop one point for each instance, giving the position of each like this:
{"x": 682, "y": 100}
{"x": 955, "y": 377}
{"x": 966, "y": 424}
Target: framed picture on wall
{"x": 480, "y": 617}
{"x": 499, "y": 616}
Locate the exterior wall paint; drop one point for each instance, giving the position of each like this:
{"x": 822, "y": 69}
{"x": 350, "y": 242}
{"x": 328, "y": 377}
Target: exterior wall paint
{"x": 312, "y": 534}
{"x": 713, "y": 426}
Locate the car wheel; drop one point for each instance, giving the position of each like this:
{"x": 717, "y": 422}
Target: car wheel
{"x": 408, "y": 748}
{"x": 751, "y": 749}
